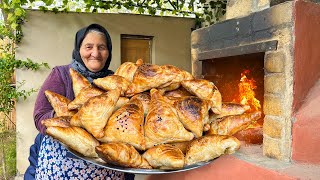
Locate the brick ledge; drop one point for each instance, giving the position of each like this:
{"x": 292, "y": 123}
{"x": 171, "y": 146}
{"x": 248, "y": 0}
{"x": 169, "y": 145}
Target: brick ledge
{"x": 253, "y": 155}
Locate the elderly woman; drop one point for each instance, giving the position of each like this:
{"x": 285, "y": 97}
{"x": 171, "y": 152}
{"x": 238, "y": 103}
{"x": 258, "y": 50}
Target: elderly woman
{"x": 48, "y": 158}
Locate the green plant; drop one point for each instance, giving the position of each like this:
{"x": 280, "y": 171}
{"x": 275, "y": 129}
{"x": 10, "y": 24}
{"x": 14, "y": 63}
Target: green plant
{"x": 8, "y": 155}
{"x": 10, "y": 34}
{"x": 10, "y": 92}
{"x": 213, "y": 11}
{"x": 206, "y": 12}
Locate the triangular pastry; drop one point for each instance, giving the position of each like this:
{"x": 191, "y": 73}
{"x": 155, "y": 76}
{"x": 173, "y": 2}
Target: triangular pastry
{"x": 165, "y": 156}
{"x": 145, "y": 99}
{"x": 121, "y": 101}
{"x": 175, "y": 83}
{"x": 162, "y": 124}
{"x": 126, "y": 125}
{"x": 83, "y": 96}
{"x": 253, "y": 134}
{"x": 148, "y": 76}
{"x": 62, "y": 121}
{"x": 128, "y": 69}
{"x": 205, "y": 89}
{"x": 75, "y": 120}
{"x": 181, "y": 145}
{"x": 193, "y": 113}
{"x": 59, "y": 103}
{"x": 94, "y": 114}
{"x": 76, "y": 138}
{"x": 112, "y": 82}
{"x": 228, "y": 109}
{"x": 209, "y": 147}
{"x": 230, "y": 125}
{"x": 122, "y": 154}
{"x": 172, "y": 100}
{"x": 180, "y": 92}
{"x": 78, "y": 81}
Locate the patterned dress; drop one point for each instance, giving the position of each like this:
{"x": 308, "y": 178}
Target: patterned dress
{"x": 55, "y": 162}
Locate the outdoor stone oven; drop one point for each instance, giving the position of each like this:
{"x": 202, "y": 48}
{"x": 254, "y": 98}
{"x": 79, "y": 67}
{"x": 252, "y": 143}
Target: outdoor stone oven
{"x": 280, "y": 42}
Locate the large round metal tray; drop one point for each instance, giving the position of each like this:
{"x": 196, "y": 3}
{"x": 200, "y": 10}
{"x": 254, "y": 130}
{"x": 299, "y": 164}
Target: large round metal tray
{"x": 101, "y": 163}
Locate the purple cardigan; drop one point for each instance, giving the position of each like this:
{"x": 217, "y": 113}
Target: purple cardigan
{"x": 58, "y": 81}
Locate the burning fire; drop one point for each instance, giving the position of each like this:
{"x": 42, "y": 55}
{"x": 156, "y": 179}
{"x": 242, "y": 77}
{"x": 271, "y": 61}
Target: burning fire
{"x": 246, "y": 93}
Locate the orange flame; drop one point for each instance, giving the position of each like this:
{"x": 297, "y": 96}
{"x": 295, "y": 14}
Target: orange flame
{"x": 246, "y": 93}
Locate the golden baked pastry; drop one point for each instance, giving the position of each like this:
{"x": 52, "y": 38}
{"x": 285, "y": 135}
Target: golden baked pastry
{"x": 193, "y": 113}
{"x": 59, "y": 103}
{"x": 230, "y": 125}
{"x": 162, "y": 115}
{"x": 112, "y": 82}
{"x": 122, "y": 154}
{"x": 205, "y": 89}
{"x": 62, "y": 121}
{"x": 139, "y": 62}
{"x": 145, "y": 99}
{"x": 228, "y": 109}
{"x": 253, "y": 134}
{"x": 126, "y": 125}
{"x": 83, "y": 96}
{"x": 162, "y": 124}
{"x": 179, "y": 75}
{"x": 128, "y": 69}
{"x": 180, "y": 92}
{"x": 76, "y": 138}
{"x": 75, "y": 120}
{"x": 164, "y": 156}
{"x": 172, "y": 100}
{"x": 121, "y": 101}
{"x": 209, "y": 147}
{"x": 94, "y": 114}
{"x": 148, "y": 76}
{"x": 181, "y": 145}
{"x": 78, "y": 81}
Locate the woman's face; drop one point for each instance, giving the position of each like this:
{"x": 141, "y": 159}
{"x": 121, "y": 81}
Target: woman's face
{"x": 94, "y": 51}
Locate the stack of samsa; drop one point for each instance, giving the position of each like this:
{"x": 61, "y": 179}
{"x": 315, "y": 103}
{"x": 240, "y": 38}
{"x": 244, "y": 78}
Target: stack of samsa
{"x": 147, "y": 116}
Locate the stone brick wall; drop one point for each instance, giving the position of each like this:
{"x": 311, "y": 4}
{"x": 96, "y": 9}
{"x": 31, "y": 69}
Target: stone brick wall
{"x": 240, "y": 8}
{"x": 275, "y": 23}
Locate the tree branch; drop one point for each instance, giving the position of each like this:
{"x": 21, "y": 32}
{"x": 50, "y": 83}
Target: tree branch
{"x": 9, "y": 118}
{"x": 172, "y": 4}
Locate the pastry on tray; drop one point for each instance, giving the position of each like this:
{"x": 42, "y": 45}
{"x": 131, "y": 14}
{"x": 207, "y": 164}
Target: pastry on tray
{"x": 147, "y": 118}
{"x": 121, "y": 154}
{"x": 76, "y": 138}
